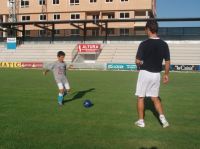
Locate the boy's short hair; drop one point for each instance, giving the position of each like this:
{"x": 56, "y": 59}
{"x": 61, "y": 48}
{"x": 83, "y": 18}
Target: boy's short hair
{"x": 152, "y": 25}
{"x": 60, "y": 53}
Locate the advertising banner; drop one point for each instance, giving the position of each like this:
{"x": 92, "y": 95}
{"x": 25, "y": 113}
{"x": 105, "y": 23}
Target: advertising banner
{"x": 21, "y": 65}
{"x": 185, "y": 67}
{"x": 32, "y": 65}
{"x": 112, "y": 66}
{"x": 11, "y": 43}
{"x": 198, "y": 67}
{"x": 83, "y": 48}
{"x": 10, "y": 64}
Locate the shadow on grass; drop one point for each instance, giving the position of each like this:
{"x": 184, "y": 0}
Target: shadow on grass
{"x": 148, "y": 148}
{"x": 148, "y": 105}
{"x": 79, "y": 95}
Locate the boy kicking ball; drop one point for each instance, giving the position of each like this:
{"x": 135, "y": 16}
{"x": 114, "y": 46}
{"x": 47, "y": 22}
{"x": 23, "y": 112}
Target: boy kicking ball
{"x": 59, "y": 71}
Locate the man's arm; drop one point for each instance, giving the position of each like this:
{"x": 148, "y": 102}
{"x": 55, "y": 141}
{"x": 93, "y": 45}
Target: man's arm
{"x": 139, "y": 56}
{"x": 166, "y": 74}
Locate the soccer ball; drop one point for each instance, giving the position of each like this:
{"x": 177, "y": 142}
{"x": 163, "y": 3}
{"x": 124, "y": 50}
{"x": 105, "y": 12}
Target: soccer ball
{"x": 87, "y": 103}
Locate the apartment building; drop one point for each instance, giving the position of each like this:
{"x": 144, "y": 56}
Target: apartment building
{"x": 55, "y": 10}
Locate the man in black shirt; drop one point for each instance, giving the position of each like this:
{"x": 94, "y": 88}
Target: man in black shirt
{"x": 149, "y": 58}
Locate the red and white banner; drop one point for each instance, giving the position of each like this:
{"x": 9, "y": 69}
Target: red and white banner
{"x": 89, "y": 48}
{"x": 32, "y": 65}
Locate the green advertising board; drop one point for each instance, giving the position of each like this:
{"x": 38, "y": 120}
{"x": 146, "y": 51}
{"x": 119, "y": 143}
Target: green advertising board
{"x": 113, "y": 66}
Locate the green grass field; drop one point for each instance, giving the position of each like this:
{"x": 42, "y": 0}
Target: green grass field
{"x": 31, "y": 119}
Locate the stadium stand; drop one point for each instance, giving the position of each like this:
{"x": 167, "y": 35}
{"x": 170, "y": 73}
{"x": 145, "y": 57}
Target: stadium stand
{"x": 185, "y": 53}
{"x": 118, "y": 53}
{"x": 182, "y": 52}
{"x": 36, "y": 53}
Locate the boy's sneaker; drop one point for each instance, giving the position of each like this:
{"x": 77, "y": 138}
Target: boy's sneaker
{"x": 164, "y": 121}
{"x": 140, "y": 123}
{"x": 60, "y": 103}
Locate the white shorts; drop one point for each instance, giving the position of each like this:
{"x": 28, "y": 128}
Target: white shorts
{"x": 63, "y": 86}
{"x": 148, "y": 84}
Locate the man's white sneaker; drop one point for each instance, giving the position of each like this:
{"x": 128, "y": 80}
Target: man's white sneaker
{"x": 140, "y": 123}
{"x": 165, "y": 124}
{"x": 164, "y": 121}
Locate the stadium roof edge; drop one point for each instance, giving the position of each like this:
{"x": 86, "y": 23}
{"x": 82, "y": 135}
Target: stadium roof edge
{"x": 4, "y": 24}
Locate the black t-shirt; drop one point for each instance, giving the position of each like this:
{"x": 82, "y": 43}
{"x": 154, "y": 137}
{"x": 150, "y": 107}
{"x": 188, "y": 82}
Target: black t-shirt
{"x": 152, "y": 52}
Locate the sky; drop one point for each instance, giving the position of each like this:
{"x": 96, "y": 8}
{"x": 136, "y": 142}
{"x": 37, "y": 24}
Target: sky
{"x": 178, "y": 9}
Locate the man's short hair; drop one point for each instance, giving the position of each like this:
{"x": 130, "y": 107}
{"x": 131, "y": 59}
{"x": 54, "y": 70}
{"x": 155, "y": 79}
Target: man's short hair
{"x": 152, "y": 25}
{"x": 60, "y": 53}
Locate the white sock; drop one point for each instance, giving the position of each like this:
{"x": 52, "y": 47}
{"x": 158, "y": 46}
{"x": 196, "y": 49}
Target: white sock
{"x": 162, "y": 116}
{"x": 60, "y": 94}
{"x": 141, "y": 120}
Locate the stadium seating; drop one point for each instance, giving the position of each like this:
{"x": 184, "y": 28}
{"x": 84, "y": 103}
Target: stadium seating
{"x": 36, "y": 53}
{"x": 185, "y": 53}
{"x": 181, "y": 52}
{"x": 118, "y": 53}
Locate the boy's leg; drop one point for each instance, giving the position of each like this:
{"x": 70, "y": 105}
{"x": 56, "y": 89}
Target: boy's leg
{"x": 61, "y": 92}
{"x": 67, "y": 89}
{"x": 60, "y": 96}
{"x": 159, "y": 109}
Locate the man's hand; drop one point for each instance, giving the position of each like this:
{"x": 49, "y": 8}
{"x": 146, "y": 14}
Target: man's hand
{"x": 166, "y": 74}
{"x": 138, "y": 62}
{"x": 165, "y": 78}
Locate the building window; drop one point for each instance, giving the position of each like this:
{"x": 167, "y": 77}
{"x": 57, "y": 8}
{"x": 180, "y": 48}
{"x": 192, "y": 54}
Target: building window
{"x": 24, "y": 3}
{"x": 124, "y": 32}
{"x": 43, "y": 17}
{"x": 42, "y": 2}
{"x": 111, "y": 31}
{"x": 74, "y": 2}
{"x": 56, "y": 16}
{"x": 75, "y": 32}
{"x": 95, "y": 32}
{"x": 42, "y": 32}
{"x": 1, "y": 19}
{"x": 109, "y": 1}
{"x": 75, "y": 16}
{"x": 124, "y": 0}
{"x": 55, "y": 1}
{"x": 27, "y": 33}
{"x": 93, "y": 1}
{"x": 26, "y": 18}
{"x": 111, "y": 16}
{"x": 124, "y": 15}
{"x": 95, "y": 17}
{"x": 57, "y": 32}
